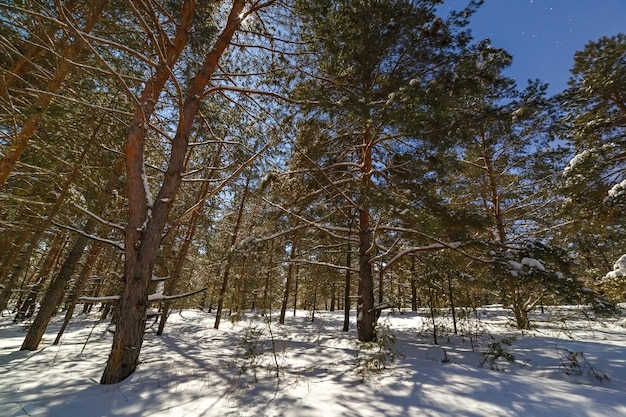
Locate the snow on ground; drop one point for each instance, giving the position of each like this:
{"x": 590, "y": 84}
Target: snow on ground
{"x": 195, "y": 370}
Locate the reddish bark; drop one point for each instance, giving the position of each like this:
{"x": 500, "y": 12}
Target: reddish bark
{"x": 143, "y": 233}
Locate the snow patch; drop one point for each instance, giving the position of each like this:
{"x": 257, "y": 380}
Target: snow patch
{"x": 533, "y": 263}
{"x": 619, "y": 269}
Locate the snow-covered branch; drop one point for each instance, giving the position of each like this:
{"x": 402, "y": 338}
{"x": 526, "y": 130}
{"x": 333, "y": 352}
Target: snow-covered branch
{"x": 158, "y": 279}
{"x": 328, "y": 264}
{"x": 99, "y": 219}
{"x": 329, "y": 230}
{"x": 250, "y": 91}
{"x": 117, "y": 244}
{"x": 105, "y": 299}
{"x": 161, "y": 297}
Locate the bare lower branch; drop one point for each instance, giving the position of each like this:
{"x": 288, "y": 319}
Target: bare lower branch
{"x": 100, "y": 219}
{"x": 161, "y": 297}
{"x": 119, "y": 245}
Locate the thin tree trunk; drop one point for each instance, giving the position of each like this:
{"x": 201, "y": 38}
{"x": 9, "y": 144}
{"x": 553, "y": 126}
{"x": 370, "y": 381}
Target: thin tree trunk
{"x": 79, "y": 285}
{"x": 432, "y": 313}
{"x": 366, "y": 316}
{"x": 413, "y": 285}
{"x": 288, "y": 279}
{"x": 314, "y": 300}
{"x": 27, "y": 280}
{"x": 229, "y": 256}
{"x": 268, "y": 276}
{"x": 28, "y": 306}
{"x": 346, "y": 291}
{"x": 295, "y": 292}
{"x": 452, "y": 303}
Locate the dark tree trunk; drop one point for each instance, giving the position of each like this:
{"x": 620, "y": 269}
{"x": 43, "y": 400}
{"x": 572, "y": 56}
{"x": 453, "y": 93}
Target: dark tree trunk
{"x": 432, "y": 312}
{"x": 54, "y": 294}
{"x": 314, "y": 300}
{"x": 366, "y": 316}
{"x": 452, "y": 303}
{"x": 79, "y": 285}
{"x": 413, "y": 285}
{"x": 346, "y": 291}
{"x": 266, "y": 287}
{"x": 295, "y": 292}
{"x": 27, "y": 308}
{"x": 229, "y": 256}
{"x": 290, "y": 268}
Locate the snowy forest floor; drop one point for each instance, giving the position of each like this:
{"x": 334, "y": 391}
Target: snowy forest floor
{"x": 568, "y": 365}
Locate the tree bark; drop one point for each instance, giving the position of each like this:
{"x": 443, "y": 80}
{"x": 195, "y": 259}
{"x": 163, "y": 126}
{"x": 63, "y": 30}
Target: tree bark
{"x": 413, "y": 285}
{"x": 79, "y": 285}
{"x": 41, "y": 277}
{"x": 295, "y": 292}
{"x": 288, "y": 279}
{"x": 142, "y": 241}
{"x": 229, "y": 256}
{"x": 346, "y": 292}
{"x": 366, "y": 316}
{"x": 268, "y": 277}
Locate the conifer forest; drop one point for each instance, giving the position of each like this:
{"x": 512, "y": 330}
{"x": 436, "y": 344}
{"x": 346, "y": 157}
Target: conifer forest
{"x": 349, "y": 162}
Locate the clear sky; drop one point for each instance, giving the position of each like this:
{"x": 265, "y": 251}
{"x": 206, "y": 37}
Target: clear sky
{"x": 543, "y": 35}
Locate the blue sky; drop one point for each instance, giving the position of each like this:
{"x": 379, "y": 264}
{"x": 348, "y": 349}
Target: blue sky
{"x": 543, "y": 35}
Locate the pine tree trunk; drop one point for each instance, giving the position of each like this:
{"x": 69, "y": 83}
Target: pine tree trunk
{"x": 288, "y": 279}
{"x": 346, "y": 291}
{"x": 79, "y": 285}
{"x": 142, "y": 242}
{"x": 28, "y": 306}
{"x": 413, "y": 278}
{"x": 366, "y": 316}
{"x": 229, "y": 256}
{"x": 295, "y": 292}
{"x": 452, "y": 303}
{"x": 268, "y": 276}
